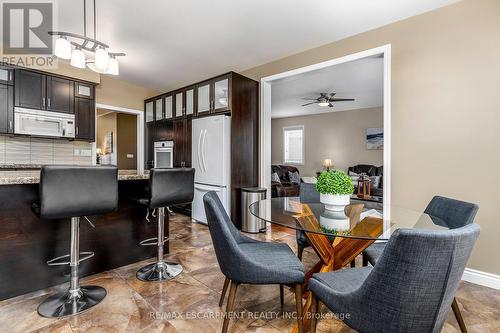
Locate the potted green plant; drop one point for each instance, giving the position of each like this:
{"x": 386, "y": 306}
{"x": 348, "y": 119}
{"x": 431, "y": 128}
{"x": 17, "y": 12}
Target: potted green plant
{"x": 335, "y": 188}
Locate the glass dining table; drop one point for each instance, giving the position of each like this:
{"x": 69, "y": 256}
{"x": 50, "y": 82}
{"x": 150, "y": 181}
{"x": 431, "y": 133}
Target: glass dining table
{"x": 338, "y": 237}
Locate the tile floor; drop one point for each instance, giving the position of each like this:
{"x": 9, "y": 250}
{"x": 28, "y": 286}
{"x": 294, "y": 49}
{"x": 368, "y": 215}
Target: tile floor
{"x": 190, "y": 302}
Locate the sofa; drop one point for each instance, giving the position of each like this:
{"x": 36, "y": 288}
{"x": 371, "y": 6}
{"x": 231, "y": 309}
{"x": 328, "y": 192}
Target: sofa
{"x": 370, "y": 170}
{"x": 284, "y": 188}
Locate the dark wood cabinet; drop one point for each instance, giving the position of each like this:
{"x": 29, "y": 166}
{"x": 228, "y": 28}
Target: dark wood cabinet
{"x": 6, "y": 109}
{"x": 6, "y": 75}
{"x": 182, "y": 142}
{"x": 149, "y": 144}
{"x": 84, "y": 90}
{"x": 85, "y": 119}
{"x": 60, "y": 95}
{"x": 30, "y": 89}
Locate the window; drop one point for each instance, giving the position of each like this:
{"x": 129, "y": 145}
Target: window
{"x": 293, "y": 144}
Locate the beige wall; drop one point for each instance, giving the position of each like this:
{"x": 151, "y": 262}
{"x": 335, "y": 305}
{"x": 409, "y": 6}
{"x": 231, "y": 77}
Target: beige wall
{"x": 339, "y": 136}
{"x": 115, "y": 92}
{"x": 445, "y": 109}
{"x": 126, "y": 141}
{"x": 106, "y": 123}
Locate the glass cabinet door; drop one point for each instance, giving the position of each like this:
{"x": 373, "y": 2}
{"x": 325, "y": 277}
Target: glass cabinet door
{"x": 168, "y": 107}
{"x": 159, "y": 109}
{"x": 221, "y": 94}
{"x": 6, "y": 75}
{"x": 189, "y": 102}
{"x": 149, "y": 111}
{"x": 178, "y": 105}
{"x": 203, "y": 91}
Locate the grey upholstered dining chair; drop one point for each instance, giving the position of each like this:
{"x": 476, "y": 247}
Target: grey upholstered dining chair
{"x": 410, "y": 289}
{"x": 444, "y": 211}
{"x": 308, "y": 194}
{"x": 245, "y": 260}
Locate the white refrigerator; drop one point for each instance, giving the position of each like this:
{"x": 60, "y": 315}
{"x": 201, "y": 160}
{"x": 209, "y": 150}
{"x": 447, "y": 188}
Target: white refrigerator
{"x": 212, "y": 161}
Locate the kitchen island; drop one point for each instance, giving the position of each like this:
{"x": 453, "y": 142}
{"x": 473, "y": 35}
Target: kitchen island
{"x": 27, "y": 242}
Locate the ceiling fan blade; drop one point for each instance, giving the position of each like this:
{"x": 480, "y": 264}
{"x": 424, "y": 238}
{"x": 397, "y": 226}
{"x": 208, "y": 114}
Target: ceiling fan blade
{"x": 342, "y": 99}
{"x": 309, "y": 104}
{"x": 330, "y": 105}
{"x": 310, "y": 99}
{"x": 332, "y": 94}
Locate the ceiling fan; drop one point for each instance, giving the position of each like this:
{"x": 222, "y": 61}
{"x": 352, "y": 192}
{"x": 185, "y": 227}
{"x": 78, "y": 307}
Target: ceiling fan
{"x": 326, "y": 100}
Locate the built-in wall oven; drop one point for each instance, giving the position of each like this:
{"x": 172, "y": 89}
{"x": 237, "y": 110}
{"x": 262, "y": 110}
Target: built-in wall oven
{"x": 44, "y": 123}
{"x": 164, "y": 154}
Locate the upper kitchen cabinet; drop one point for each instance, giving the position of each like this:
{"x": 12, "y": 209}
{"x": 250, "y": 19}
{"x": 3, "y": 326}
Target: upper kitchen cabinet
{"x": 203, "y": 98}
{"x": 85, "y": 119}
{"x": 179, "y": 103}
{"x": 84, "y": 90}
{"x": 6, "y": 109}
{"x": 30, "y": 89}
{"x": 221, "y": 93}
{"x": 6, "y": 75}
{"x": 189, "y": 96}
{"x": 169, "y": 106}
{"x": 159, "y": 109}
{"x": 149, "y": 110}
{"x": 60, "y": 95}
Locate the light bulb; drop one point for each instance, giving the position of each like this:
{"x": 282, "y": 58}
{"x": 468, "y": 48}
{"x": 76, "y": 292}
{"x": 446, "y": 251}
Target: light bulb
{"x": 62, "y": 48}
{"x": 78, "y": 58}
{"x": 323, "y": 103}
{"x": 101, "y": 59}
{"x": 113, "y": 67}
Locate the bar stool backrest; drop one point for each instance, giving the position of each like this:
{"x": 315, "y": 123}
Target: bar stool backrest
{"x": 170, "y": 187}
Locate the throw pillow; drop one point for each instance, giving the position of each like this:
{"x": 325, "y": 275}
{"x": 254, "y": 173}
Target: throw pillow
{"x": 354, "y": 177}
{"x": 275, "y": 177}
{"x": 375, "y": 181}
{"x": 294, "y": 177}
{"x": 310, "y": 180}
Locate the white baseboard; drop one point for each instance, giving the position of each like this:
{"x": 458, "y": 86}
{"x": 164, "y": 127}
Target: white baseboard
{"x": 482, "y": 278}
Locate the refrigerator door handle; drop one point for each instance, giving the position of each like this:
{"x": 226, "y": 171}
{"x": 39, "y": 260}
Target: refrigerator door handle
{"x": 204, "y": 150}
{"x": 198, "y": 150}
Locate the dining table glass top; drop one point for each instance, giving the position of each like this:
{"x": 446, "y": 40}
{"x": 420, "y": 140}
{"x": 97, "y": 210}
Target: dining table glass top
{"x": 355, "y": 221}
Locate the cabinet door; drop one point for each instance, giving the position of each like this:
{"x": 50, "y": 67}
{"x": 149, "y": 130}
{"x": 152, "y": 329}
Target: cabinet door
{"x": 222, "y": 98}
{"x": 179, "y": 104}
{"x": 189, "y": 102}
{"x": 6, "y": 109}
{"x": 169, "y": 107}
{"x": 203, "y": 98}
{"x": 60, "y": 95}
{"x": 179, "y": 143}
{"x": 85, "y": 119}
{"x": 149, "y": 145}
{"x": 159, "y": 109}
{"x": 150, "y": 111}
{"x": 6, "y": 75}
{"x": 30, "y": 89}
{"x": 84, "y": 90}
{"x": 188, "y": 142}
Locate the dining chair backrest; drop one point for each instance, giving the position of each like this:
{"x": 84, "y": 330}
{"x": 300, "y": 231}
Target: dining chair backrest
{"x": 225, "y": 236}
{"x": 412, "y": 286}
{"x": 453, "y": 213}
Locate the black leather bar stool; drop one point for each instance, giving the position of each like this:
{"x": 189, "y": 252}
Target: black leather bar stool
{"x": 74, "y": 192}
{"x": 167, "y": 187}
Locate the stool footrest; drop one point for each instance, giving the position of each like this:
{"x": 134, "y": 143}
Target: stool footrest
{"x": 57, "y": 261}
{"x": 152, "y": 241}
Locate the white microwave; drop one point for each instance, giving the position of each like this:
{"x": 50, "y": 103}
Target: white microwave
{"x": 44, "y": 123}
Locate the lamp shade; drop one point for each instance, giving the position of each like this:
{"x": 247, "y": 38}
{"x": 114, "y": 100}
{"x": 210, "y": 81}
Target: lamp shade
{"x": 327, "y": 163}
{"x": 101, "y": 60}
{"x": 113, "y": 67}
{"x": 78, "y": 58}
{"x": 62, "y": 48}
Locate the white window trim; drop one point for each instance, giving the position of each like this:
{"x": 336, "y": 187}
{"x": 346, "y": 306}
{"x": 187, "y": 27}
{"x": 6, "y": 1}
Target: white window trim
{"x": 291, "y": 128}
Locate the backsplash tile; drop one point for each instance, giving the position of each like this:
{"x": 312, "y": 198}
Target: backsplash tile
{"x": 37, "y": 151}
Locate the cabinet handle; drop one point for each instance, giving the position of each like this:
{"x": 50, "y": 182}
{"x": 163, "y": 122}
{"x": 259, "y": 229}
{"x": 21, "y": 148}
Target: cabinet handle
{"x": 43, "y": 101}
{"x": 48, "y": 102}
{"x": 10, "y": 75}
{"x": 76, "y": 130}
{"x": 10, "y": 125}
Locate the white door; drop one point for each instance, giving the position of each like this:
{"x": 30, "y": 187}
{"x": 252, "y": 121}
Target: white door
{"x": 198, "y": 208}
{"x": 208, "y": 154}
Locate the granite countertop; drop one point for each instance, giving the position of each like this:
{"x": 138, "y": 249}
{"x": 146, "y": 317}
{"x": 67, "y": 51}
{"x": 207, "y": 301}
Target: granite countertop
{"x": 15, "y": 177}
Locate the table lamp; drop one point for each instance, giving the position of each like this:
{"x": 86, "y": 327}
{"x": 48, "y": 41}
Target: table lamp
{"x": 327, "y": 163}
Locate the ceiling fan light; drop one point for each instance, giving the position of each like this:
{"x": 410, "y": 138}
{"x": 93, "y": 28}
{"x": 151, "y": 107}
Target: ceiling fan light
{"x": 113, "y": 68}
{"x": 101, "y": 59}
{"x": 78, "y": 58}
{"x": 62, "y": 48}
{"x": 323, "y": 103}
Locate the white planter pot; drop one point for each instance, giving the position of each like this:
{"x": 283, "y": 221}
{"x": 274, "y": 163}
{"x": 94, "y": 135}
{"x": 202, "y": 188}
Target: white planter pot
{"x": 337, "y": 221}
{"x": 335, "y": 202}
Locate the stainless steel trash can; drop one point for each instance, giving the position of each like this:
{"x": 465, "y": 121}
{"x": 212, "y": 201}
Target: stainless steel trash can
{"x": 250, "y": 223}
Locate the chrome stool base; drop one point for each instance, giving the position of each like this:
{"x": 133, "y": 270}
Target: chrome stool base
{"x": 66, "y": 303}
{"x": 157, "y": 272}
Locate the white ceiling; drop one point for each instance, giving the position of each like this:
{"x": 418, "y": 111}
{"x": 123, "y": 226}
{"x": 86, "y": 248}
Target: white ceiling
{"x": 361, "y": 79}
{"x": 177, "y": 42}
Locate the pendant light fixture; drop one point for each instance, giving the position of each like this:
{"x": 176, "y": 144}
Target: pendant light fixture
{"x": 76, "y": 47}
